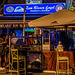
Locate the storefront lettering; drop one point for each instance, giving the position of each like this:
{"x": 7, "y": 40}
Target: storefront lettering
{"x": 50, "y": 8}
{"x": 0, "y": 26}
{"x": 6, "y": 25}
{"x": 36, "y": 7}
{"x": 28, "y": 8}
{"x": 11, "y": 25}
{"x": 14, "y": 25}
{"x": 21, "y": 25}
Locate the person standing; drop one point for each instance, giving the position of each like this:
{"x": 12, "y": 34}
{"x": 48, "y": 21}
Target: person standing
{"x": 2, "y": 52}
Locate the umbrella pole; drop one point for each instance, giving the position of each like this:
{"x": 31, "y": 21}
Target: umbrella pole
{"x": 24, "y": 25}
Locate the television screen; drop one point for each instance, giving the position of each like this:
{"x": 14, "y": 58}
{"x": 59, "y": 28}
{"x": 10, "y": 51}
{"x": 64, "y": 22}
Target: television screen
{"x": 20, "y": 32}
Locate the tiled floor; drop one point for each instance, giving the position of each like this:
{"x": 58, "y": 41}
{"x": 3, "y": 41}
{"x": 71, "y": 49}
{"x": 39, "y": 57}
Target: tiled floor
{"x": 47, "y": 73}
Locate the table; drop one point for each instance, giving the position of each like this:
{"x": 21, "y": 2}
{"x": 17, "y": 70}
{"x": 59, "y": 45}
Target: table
{"x": 50, "y": 59}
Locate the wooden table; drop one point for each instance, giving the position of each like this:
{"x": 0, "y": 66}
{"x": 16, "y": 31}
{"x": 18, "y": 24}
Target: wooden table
{"x": 50, "y": 59}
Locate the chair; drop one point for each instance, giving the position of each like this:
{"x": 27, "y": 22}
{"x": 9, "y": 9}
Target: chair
{"x": 18, "y": 59}
{"x": 61, "y": 59}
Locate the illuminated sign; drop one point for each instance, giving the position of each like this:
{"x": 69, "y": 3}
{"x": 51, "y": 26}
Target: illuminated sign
{"x": 33, "y": 1}
{"x": 33, "y": 8}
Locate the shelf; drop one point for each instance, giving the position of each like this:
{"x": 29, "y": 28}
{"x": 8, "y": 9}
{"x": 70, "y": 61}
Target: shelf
{"x": 45, "y": 38}
{"x": 35, "y": 49}
{"x": 26, "y": 47}
{"x": 34, "y": 44}
{"x": 35, "y": 36}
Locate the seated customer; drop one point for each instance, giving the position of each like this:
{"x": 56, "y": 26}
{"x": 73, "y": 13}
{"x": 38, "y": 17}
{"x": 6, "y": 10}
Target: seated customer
{"x": 14, "y": 39}
{"x": 60, "y": 46}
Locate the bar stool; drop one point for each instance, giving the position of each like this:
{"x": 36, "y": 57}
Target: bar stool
{"x": 61, "y": 59}
{"x": 18, "y": 59}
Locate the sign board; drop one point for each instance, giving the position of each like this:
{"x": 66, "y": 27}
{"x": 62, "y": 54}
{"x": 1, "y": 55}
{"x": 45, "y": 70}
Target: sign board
{"x": 33, "y": 8}
{"x": 33, "y": 1}
{"x": 11, "y": 25}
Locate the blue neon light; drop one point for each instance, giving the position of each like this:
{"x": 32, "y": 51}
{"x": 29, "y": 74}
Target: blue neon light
{"x": 33, "y": 8}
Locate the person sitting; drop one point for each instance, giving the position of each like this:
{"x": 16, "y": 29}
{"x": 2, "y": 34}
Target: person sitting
{"x": 14, "y": 39}
{"x": 60, "y": 46}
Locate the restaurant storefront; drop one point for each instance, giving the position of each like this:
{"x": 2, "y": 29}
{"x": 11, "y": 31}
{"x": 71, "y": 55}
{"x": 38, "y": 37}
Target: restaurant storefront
{"x": 13, "y": 19}
{"x": 13, "y": 14}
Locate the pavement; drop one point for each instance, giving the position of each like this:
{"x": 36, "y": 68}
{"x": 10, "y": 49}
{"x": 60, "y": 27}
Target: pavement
{"x": 40, "y": 74}
{"x": 45, "y": 72}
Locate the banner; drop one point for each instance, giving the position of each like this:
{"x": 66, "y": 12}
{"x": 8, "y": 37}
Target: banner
{"x": 33, "y": 8}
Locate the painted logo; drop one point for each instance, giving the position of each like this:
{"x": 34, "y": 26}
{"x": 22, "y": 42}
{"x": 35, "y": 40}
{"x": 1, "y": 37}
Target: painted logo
{"x": 9, "y": 9}
{"x": 19, "y": 9}
{"x": 59, "y": 7}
